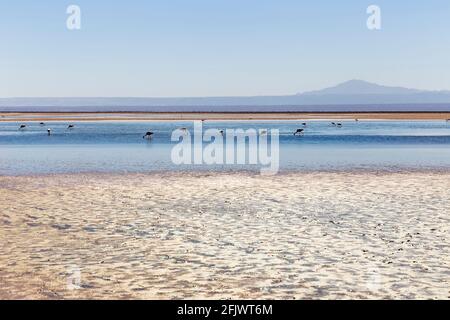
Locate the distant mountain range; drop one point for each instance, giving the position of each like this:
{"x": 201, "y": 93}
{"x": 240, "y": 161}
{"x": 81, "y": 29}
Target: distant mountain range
{"x": 360, "y": 87}
{"x": 353, "y": 95}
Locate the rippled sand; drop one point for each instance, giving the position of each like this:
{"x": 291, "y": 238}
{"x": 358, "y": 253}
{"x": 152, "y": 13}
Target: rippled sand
{"x": 238, "y": 235}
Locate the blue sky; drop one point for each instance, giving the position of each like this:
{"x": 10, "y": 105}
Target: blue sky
{"x": 169, "y": 48}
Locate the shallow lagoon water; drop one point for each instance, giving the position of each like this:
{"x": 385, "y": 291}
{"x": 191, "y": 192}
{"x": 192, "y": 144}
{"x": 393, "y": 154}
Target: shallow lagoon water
{"x": 119, "y": 146}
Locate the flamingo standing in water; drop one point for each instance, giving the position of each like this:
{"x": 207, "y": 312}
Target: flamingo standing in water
{"x": 22, "y": 126}
{"x": 148, "y": 135}
{"x": 299, "y": 131}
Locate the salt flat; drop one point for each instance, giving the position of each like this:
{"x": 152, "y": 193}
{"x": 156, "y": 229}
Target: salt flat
{"x": 311, "y": 235}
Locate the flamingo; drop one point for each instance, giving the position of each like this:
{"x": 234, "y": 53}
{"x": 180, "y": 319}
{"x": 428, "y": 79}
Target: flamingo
{"x": 299, "y": 131}
{"x": 148, "y": 135}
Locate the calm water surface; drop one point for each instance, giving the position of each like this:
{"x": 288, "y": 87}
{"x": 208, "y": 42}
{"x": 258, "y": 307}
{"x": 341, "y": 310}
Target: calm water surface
{"x": 119, "y": 147}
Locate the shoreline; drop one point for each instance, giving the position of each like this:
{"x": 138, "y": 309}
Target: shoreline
{"x": 232, "y": 172}
{"x": 219, "y": 116}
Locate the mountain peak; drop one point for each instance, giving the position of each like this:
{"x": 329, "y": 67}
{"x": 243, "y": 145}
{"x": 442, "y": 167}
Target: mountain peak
{"x": 357, "y": 87}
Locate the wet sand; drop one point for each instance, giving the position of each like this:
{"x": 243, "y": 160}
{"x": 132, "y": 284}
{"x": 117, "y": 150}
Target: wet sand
{"x": 187, "y": 116}
{"x": 317, "y": 235}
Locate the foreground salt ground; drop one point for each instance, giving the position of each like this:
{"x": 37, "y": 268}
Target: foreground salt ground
{"x": 238, "y": 235}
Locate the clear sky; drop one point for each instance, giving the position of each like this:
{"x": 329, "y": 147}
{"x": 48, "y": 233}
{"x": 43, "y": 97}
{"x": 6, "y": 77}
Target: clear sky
{"x": 169, "y": 48}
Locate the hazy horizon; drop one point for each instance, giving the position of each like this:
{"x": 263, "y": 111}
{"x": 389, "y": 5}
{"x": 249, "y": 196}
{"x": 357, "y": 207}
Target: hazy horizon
{"x": 351, "y": 87}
